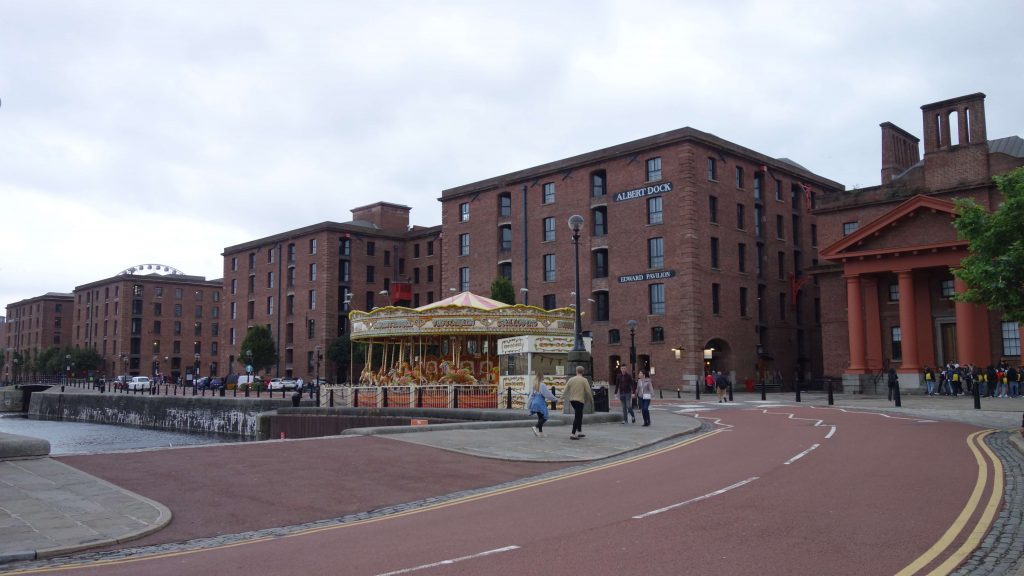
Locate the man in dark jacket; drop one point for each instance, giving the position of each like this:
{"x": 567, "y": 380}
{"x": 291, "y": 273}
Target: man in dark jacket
{"x": 625, "y": 387}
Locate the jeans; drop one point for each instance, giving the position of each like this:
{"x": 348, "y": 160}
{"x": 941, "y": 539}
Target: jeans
{"x": 645, "y": 410}
{"x": 1014, "y": 389}
{"x": 627, "y": 406}
{"x": 931, "y": 386}
{"x": 577, "y": 417}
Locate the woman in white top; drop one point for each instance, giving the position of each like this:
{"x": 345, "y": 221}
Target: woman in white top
{"x": 644, "y": 393}
{"x": 537, "y": 404}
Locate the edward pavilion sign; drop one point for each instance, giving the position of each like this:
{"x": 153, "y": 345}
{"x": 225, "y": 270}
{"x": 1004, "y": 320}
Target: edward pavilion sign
{"x": 647, "y": 276}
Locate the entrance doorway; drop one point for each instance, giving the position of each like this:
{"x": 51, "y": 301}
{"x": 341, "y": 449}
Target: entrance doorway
{"x": 947, "y": 343}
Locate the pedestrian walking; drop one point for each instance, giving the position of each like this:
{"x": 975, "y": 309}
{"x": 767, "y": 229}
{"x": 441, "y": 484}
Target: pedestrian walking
{"x": 625, "y": 387}
{"x": 893, "y": 381}
{"x": 644, "y": 394}
{"x": 577, "y": 392}
{"x": 538, "y": 403}
{"x": 721, "y": 385}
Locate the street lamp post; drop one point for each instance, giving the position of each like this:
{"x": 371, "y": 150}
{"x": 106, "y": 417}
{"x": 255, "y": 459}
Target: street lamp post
{"x": 68, "y": 378}
{"x": 195, "y": 371}
{"x": 632, "y": 324}
{"x": 248, "y": 370}
{"x": 578, "y": 356}
{"x": 760, "y": 369}
{"x": 319, "y": 357}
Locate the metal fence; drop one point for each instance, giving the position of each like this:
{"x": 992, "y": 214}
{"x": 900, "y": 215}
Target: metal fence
{"x": 432, "y": 396}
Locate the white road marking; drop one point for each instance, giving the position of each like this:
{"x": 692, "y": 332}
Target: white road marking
{"x": 867, "y": 411}
{"x": 792, "y": 416}
{"x": 691, "y": 410}
{"x": 452, "y": 561}
{"x": 801, "y": 455}
{"x": 697, "y": 499}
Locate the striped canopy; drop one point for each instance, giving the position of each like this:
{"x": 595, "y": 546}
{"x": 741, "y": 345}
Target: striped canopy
{"x": 465, "y": 299}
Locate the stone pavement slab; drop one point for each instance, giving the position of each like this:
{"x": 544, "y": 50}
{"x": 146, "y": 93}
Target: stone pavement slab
{"x": 49, "y": 508}
{"x": 603, "y": 438}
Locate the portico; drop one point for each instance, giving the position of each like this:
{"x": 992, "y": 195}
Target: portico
{"x": 899, "y": 295}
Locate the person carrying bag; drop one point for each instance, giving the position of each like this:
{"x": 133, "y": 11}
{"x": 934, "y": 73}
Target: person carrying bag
{"x": 537, "y": 404}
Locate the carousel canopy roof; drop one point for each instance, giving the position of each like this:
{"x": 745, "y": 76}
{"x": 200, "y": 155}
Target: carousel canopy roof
{"x": 467, "y": 299}
{"x": 462, "y": 314}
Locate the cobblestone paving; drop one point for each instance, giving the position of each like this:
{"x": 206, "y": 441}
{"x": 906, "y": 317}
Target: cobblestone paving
{"x": 1002, "y": 549}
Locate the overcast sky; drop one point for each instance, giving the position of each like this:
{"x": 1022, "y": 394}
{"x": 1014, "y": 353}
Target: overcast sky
{"x": 163, "y": 131}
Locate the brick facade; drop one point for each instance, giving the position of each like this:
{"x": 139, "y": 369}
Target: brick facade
{"x": 149, "y": 324}
{"x": 36, "y": 324}
{"x": 654, "y": 194}
{"x": 297, "y": 283}
{"x": 958, "y": 162}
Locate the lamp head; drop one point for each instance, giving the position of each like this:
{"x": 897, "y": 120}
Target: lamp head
{"x": 575, "y": 223}
{"x": 631, "y": 324}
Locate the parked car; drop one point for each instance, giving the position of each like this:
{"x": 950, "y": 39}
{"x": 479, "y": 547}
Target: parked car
{"x": 208, "y": 383}
{"x": 281, "y": 384}
{"x": 139, "y": 383}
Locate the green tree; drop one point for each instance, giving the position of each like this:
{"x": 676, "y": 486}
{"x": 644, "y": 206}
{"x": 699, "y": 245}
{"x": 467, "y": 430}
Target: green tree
{"x": 259, "y": 341}
{"x": 342, "y": 353}
{"x": 49, "y": 361}
{"x": 502, "y": 291}
{"x": 994, "y": 267}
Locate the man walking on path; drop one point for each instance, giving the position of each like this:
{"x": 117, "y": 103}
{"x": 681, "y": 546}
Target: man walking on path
{"x": 577, "y": 392}
{"x": 625, "y": 387}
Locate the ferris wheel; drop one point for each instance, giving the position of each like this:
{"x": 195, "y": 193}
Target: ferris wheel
{"x": 162, "y": 269}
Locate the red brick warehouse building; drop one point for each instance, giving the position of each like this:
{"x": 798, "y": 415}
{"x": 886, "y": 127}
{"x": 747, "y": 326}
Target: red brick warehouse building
{"x": 888, "y": 250}
{"x": 34, "y": 325}
{"x": 151, "y": 319}
{"x": 698, "y": 239}
{"x": 302, "y": 283}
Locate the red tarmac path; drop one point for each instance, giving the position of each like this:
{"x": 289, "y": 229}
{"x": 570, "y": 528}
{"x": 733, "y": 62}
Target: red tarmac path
{"x": 870, "y": 499}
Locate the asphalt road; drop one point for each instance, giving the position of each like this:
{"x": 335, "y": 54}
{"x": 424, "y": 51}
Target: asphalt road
{"x": 794, "y": 490}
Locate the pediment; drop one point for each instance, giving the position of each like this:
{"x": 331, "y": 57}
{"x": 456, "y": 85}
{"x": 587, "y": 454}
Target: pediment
{"x": 923, "y": 222}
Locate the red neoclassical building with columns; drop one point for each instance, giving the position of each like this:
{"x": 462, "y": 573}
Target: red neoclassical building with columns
{"x": 888, "y": 251}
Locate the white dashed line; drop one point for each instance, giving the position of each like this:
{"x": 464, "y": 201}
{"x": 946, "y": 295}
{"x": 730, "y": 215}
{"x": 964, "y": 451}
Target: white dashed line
{"x": 801, "y": 455}
{"x": 452, "y": 561}
{"x": 697, "y": 499}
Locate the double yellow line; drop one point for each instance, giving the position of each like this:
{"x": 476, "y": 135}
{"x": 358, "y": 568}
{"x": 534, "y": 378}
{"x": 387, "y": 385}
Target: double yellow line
{"x": 976, "y": 442}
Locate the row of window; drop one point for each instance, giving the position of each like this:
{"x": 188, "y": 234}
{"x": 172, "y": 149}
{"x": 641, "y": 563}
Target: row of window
{"x": 795, "y": 190}
{"x": 785, "y": 302}
{"x": 741, "y": 259}
{"x": 197, "y": 347}
{"x": 780, "y": 222}
{"x": 598, "y": 188}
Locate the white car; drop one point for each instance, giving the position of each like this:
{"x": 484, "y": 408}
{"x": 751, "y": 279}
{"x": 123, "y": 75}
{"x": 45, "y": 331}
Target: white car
{"x": 281, "y": 384}
{"x": 139, "y": 383}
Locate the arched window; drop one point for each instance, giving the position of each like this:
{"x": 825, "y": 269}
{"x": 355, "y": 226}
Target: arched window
{"x": 505, "y": 205}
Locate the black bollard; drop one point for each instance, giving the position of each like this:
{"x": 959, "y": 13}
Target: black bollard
{"x": 796, "y": 384}
{"x": 977, "y": 396}
{"x": 419, "y": 397}
{"x": 508, "y": 399}
{"x": 330, "y": 398}
{"x": 762, "y": 389}
{"x": 730, "y": 391}
{"x": 830, "y": 400}
{"x": 554, "y": 403}
{"x": 384, "y": 398}
{"x": 896, "y": 393}
{"x": 697, "y": 385}
{"x": 455, "y": 396}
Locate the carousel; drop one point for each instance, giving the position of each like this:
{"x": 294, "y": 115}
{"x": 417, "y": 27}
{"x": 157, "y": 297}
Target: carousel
{"x": 449, "y": 342}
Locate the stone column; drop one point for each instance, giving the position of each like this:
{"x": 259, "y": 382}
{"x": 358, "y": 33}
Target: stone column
{"x": 964, "y": 326}
{"x": 855, "y": 324}
{"x": 872, "y": 324}
{"x": 908, "y": 323}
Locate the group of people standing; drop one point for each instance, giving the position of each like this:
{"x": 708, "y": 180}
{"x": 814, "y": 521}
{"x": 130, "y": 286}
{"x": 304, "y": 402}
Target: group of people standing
{"x": 634, "y": 393}
{"x": 1003, "y": 381}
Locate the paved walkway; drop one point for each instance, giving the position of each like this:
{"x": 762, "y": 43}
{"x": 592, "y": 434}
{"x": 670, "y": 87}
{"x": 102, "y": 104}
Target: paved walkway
{"x": 48, "y": 508}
